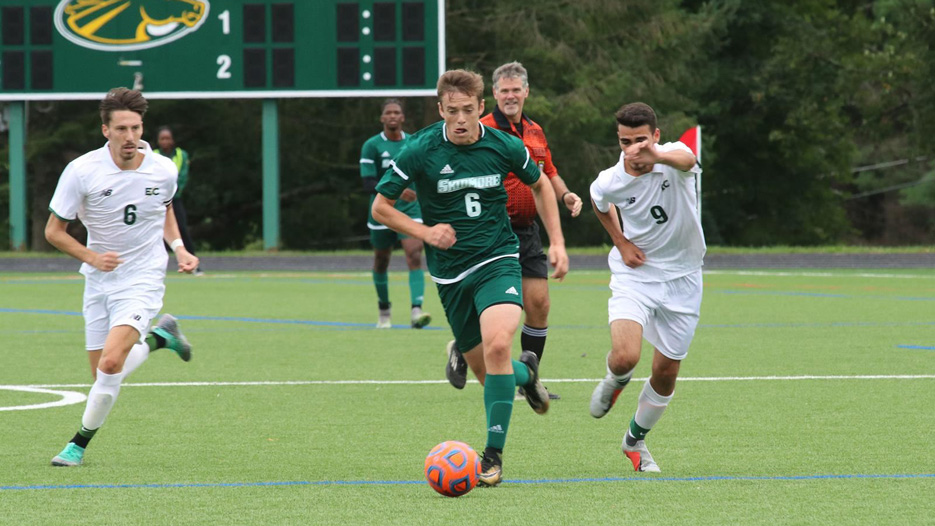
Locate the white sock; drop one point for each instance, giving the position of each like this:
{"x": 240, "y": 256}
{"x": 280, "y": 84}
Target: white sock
{"x": 138, "y": 354}
{"x": 101, "y": 399}
{"x": 650, "y": 407}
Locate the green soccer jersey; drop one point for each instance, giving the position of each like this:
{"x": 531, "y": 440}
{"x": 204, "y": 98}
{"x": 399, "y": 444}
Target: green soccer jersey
{"x": 462, "y": 186}
{"x": 375, "y": 157}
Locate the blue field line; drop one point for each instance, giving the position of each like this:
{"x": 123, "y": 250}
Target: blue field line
{"x": 920, "y": 347}
{"x": 711, "y": 478}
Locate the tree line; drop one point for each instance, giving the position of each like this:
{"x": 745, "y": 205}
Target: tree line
{"x": 816, "y": 116}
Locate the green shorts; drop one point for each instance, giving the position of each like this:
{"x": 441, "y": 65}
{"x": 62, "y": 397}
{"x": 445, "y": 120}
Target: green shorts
{"x": 497, "y": 282}
{"x": 385, "y": 238}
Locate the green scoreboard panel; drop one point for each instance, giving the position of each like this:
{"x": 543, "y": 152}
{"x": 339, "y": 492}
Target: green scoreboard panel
{"x": 79, "y": 49}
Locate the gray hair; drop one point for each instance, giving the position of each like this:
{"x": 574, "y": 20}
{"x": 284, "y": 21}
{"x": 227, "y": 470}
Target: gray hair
{"x": 511, "y": 70}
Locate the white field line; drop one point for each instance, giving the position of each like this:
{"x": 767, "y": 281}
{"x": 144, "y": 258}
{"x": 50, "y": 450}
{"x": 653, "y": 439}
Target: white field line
{"x": 433, "y": 382}
{"x": 818, "y": 274}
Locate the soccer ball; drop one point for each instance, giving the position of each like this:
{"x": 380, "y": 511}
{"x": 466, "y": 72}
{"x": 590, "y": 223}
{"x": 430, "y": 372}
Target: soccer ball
{"x": 452, "y": 468}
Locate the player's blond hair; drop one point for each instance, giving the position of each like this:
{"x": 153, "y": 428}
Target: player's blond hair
{"x": 461, "y": 81}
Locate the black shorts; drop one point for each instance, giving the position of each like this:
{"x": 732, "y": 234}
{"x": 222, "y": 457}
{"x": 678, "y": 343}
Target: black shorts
{"x": 532, "y": 260}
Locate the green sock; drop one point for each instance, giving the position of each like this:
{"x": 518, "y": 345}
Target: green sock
{"x": 498, "y": 399}
{"x": 636, "y": 431}
{"x": 521, "y": 373}
{"x": 380, "y": 280}
{"x": 416, "y": 287}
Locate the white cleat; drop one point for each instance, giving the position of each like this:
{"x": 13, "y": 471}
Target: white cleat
{"x": 605, "y": 394}
{"x": 640, "y": 457}
{"x": 385, "y": 321}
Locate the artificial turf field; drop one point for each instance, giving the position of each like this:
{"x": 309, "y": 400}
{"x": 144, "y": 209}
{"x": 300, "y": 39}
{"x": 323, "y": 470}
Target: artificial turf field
{"x": 807, "y": 398}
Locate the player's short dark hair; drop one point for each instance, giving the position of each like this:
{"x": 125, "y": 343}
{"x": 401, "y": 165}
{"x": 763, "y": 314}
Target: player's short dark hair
{"x": 122, "y": 99}
{"x": 392, "y": 100}
{"x": 165, "y": 129}
{"x": 461, "y": 81}
{"x": 636, "y": 114}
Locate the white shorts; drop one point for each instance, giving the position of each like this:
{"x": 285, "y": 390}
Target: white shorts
{"x": 667, "y": 310}
{"x": 105, "y": 308}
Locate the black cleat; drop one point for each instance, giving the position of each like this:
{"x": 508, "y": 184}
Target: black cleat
{"x": 491, "y": 469}
{"x": 456, "y": 367}
{"x": 534, "y": 392}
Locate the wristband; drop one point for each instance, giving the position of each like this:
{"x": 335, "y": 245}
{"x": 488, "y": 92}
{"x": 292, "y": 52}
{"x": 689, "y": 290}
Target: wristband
{"x": 176, "y": 244}
{"x": 563, "y": 195}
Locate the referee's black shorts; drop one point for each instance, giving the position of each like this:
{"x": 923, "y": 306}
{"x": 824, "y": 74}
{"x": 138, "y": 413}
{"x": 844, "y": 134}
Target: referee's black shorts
{"x": 531, "y": 257}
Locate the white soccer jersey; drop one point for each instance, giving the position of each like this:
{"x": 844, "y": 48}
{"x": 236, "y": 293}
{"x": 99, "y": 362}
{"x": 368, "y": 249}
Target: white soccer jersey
{"x": 660, "y": 216}
{"x": 124, "y": 211}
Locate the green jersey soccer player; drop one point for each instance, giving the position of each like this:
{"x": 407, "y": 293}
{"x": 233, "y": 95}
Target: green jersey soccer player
{"x": 457, "y": 168}
{"x": 375, "y": 157}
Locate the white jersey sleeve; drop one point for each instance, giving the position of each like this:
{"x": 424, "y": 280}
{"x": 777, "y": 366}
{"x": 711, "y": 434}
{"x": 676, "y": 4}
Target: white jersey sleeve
{"x": 69, "y": 195}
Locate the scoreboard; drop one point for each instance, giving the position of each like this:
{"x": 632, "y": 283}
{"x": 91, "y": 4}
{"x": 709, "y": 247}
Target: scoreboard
{"x": 79, "y": 49}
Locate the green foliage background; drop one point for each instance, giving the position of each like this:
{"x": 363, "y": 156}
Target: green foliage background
{"x": 791, "y": 97}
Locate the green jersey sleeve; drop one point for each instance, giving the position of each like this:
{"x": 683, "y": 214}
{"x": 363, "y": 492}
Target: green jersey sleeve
{"x": 369, "y": 159}
{"x": 401, "y": 174}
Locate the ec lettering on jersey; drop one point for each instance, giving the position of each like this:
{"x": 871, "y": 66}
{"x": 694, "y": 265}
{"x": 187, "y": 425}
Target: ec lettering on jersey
{"x": 446, "y": 186}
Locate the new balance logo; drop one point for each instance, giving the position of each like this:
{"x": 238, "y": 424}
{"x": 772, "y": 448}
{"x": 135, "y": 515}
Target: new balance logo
{"x": 512, "y": 290}
{"x": 446, "y": 170}
{"x": 495, "y": 429}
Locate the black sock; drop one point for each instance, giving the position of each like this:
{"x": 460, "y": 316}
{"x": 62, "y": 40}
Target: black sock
{"x": 383, "y": 306}
{"x": 83, "y": 436}
{"x": 533, "y": 339}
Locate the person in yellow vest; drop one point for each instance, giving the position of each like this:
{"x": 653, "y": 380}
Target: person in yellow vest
{"x": 167, "y": 147}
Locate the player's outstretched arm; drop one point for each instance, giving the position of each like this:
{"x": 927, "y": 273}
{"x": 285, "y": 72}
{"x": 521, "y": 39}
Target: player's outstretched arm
{"x": 548, "y": 211}
{"x": 187, "y": 261}
{"x": 631, "y": 254}
{"x": 57, "y": 235}
{"x": 440, "y": 236}
{"x": 645, "y": 153}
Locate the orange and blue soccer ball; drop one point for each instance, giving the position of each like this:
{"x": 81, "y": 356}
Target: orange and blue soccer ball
{"x": 452, "y": 468}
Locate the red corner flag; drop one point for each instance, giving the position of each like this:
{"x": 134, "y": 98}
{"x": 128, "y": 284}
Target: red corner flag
{"x": 692, "y": 139}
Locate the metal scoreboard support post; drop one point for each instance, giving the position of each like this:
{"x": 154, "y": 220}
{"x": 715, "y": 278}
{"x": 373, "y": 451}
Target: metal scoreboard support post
{"x": 214, "y": 49}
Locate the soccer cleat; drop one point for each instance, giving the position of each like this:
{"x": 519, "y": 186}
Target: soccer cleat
{"x": 456, "y": 367}
{"x": 168, "y": 329}
{"x": 491, "y": 469}
{"x": 605, "y": 394}
{"x": 384, "y": 321}
{"x": 70, "y": 456}
{"x": 420, "y": 319}
{"x": 535, "y": 394}
{"x": 520, "y": 394}
{"x": 640, "y": 457}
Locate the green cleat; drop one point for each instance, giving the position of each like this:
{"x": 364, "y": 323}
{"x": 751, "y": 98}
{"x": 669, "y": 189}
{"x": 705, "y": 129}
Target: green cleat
{"x": 168, "y": 329}
{"x": 70, "y": 456}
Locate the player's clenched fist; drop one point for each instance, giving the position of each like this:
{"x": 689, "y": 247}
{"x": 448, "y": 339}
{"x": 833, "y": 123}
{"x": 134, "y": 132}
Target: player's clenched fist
{"x": 441, "y": 236}
{"x": 106, "y": 262}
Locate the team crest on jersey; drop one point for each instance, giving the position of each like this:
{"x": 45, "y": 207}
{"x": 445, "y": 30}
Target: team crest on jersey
{"x": 665, "y": 184}
{"x": 125, "y": 25}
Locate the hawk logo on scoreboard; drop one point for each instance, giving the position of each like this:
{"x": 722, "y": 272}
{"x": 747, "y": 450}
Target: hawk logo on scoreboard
{"x": 125, "y": 25}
